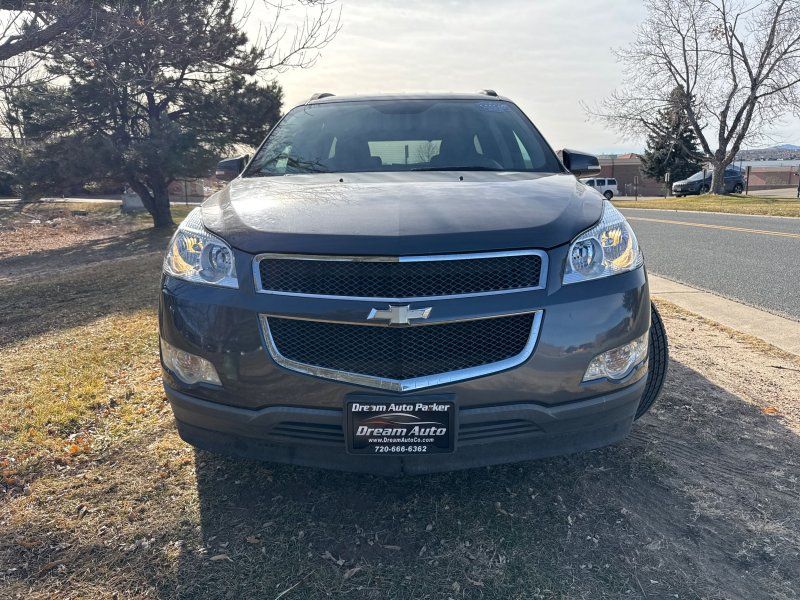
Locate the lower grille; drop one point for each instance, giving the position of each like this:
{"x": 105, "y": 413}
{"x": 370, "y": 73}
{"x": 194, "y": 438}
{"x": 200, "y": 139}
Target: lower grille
{"x": 472, "y": 433}
{"x": 402, "y": 358}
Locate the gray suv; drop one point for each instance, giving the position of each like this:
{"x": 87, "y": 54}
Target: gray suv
{"x": 700, "y": 183}
{"x": 407, "y": 284}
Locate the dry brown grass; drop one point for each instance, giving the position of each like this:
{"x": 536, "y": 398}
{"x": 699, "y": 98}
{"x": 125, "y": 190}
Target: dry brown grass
{"x": 101, "y": 499}
{"x": 746, "y": 205}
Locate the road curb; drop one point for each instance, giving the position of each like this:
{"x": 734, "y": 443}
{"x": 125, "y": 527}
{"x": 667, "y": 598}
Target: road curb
{"x": 778, "y": 331}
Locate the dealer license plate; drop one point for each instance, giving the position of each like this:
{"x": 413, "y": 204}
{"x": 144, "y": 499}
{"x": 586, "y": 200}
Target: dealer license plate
{"x": 386, "y": 428}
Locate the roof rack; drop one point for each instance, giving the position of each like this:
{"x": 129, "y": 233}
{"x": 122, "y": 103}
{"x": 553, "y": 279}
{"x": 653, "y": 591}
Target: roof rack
{"x": 319, "y": 96}
{"x": 488, "y": 93}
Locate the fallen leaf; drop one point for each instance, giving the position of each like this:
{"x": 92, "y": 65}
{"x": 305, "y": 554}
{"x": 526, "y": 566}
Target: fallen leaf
{"x": 770, "y": 410}
{"x": 49, "y": 566}
{"x": 390, "y": 547}
{"x": 350, "y": 572}
{"x": 253, "y": 539}
{"x": 328, "y": 556}
{"x": 221, "y": 557}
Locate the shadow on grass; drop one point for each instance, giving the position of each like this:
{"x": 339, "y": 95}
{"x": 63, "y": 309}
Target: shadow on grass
{"x": 57, "y": 260}
{"x": 85, "y": 291}
{"x": 701, "y": 501}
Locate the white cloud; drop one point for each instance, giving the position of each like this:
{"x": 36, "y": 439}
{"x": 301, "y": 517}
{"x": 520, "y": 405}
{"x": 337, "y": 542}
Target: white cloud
{"x": 546, "y": 55}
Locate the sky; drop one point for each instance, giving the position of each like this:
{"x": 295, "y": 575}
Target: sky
{"x": 549, "y": 56}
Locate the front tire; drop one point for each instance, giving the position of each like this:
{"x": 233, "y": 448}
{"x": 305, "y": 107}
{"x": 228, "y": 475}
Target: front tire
{"x": 738, "y": 188}
{"x": 608, "y": 194}
{"x": 657, "y": 362}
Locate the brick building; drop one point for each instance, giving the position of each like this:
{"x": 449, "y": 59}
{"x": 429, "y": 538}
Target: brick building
{"x": 626, "y": 167}
{"x": 627, "y": 170}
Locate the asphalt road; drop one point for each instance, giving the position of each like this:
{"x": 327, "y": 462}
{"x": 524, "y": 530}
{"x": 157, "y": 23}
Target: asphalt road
{"x": 755, "y": 260}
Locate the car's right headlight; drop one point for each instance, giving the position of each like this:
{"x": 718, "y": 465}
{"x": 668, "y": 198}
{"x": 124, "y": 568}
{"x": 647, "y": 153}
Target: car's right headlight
{"x": 197, "y": 255}
{"x": 608, "y": 248}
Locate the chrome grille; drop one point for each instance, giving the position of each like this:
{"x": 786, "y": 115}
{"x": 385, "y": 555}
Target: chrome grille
{"x": 402, "y": 358}
{"x": 397, "y": 278}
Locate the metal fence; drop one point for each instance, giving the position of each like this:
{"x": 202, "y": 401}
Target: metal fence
{"x": 771, "y": 178}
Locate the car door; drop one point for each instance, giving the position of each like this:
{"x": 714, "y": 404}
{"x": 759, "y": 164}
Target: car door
{"x": 731, "y": 177}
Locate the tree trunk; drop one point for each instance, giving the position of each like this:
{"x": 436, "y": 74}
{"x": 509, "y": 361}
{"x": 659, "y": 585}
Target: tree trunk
{"x": 162, "y": 215}
{"x": 718, "y": 178}
{"x": 156, "y": 201}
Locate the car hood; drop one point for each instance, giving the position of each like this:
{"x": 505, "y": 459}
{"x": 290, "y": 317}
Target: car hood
{"x": 401, "y": 214}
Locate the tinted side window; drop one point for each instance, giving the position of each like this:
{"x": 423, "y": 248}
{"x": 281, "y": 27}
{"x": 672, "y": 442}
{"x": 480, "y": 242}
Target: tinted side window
{"x": 601, "y": 182}
{"x": 612, "y": 182}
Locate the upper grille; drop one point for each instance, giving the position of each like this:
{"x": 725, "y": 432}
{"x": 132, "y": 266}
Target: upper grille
{"x": 404, "y": 277}
{"x": 399, "y": 353}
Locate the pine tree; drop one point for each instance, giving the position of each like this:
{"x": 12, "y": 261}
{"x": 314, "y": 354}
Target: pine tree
{"x": 671, "y": 145}
{"x": 156, "y": 90}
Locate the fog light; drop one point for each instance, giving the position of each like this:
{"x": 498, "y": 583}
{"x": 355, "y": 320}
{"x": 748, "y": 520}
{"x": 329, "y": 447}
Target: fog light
{"x": 190, "y": 368}
{"x": 618, "y": 362}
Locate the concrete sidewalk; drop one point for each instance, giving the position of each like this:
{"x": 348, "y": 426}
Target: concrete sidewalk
{"x": 778, "y": 331}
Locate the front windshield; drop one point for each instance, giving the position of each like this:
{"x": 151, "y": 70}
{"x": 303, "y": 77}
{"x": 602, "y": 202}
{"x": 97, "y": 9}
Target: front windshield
{"x": 404, "y": 135}
{"x": 697, "y": 176}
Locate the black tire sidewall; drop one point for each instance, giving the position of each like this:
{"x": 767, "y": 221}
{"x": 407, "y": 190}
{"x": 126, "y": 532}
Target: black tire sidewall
{"x": 658, "y": 362}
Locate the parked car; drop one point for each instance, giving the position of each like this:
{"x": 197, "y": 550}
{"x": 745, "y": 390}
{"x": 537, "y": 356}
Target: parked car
{"x": 606, "y": 186}
{"x": 700, "y": 183}
{"x": 407, "y": 284}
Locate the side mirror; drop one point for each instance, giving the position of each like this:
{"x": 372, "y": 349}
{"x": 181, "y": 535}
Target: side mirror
{"x": 230, "y": 168}
{"x": 580, "y": 164}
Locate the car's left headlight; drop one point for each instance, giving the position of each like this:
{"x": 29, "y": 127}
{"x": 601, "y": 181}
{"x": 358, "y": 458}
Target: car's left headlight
{"x": 196, "y": 255}
{"x": 608, "y": 248}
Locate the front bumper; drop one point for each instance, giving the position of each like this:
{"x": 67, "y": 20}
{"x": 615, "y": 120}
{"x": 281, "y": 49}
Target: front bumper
{"x": 539, "y": 408}
{"x": 315, "y": 437}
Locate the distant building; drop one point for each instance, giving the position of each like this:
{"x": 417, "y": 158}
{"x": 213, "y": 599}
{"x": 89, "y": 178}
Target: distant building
{"x": 627, "y": 170}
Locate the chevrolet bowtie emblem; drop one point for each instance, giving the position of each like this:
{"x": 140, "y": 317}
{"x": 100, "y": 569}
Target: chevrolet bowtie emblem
{"x": 399, "y": 315}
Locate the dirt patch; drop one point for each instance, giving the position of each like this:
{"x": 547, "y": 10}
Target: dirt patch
{"x": 42, "y": 226}
{"x": 44, "y": 239}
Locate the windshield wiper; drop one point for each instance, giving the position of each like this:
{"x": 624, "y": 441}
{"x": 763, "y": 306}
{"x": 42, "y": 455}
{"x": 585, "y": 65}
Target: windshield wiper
{"x": 462, "y": 168}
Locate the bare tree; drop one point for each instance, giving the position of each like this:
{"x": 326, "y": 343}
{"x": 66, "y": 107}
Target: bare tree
{"x": 736, "y": 62}
{"x": 15, "y": 74}
{"x": 27, "y": 25}
{"x": 427, "y": 150}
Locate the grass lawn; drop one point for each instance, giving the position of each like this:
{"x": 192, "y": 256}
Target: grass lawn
{"x": 747, "y": 205}
{"x": 100, "y": 498}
